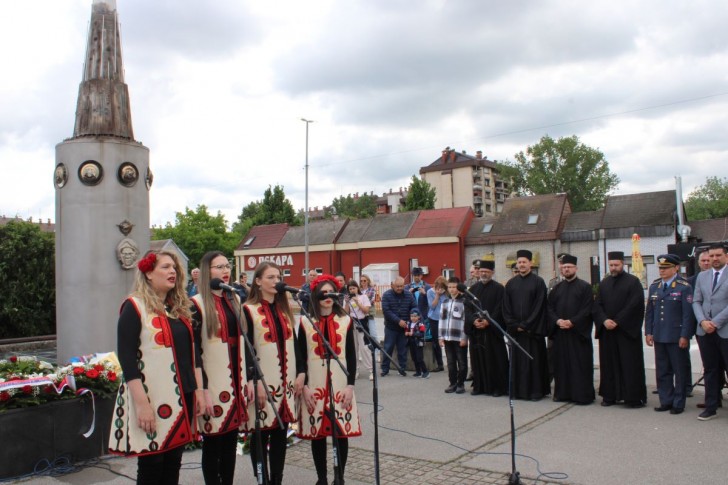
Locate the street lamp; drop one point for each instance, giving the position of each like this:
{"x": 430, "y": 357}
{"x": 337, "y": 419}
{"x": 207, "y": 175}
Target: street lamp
{"x": 305, "y": 209}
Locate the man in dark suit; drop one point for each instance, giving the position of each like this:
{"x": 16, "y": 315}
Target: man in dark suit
{"x": 703, "y": 265}
{"x": 669, "y": 326}
{"x": 710, "y": 304}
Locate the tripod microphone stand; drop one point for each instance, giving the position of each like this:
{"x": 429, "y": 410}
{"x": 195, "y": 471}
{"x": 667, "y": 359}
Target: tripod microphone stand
{"x": 374, "y": 346}
{"x": 515, "y": 477}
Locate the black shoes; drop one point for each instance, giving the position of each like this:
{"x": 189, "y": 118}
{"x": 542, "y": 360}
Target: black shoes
{"x": 607, "y": 403}
{"x": 438, "y": 369}
{"x": 460, "y": 390}
{"x": 662, "y": 408}
{"x": 403, "y": 373}
{"x": 707, "y": 415}
{"x": 451, "y": 388}
{"x": 634, "y": 404}
{"x": 676, "y": 410}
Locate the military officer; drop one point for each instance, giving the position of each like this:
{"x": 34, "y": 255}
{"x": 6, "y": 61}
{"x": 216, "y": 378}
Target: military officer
{"x": 669, "y": 326}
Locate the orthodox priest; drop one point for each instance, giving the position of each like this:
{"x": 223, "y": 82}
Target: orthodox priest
{"x": 618, "y": 315}
{"x": 488, "y": 355}
{"x": 570, "y": 322}
{"x": 524, "y": 312}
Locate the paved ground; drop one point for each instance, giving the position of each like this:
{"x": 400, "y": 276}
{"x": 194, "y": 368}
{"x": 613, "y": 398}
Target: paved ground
{"x": 428, "y": 437}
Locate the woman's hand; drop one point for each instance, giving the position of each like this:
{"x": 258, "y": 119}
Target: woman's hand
{"x": 145, "y": 417}
{"x": 347, "y": 397}
{"x": 262, "y": 397}
{"x": 308, "y": 399}
{"x": 298, "y": 384}
{"x": 249, "y": 394}
{"x": 200, "y": 407}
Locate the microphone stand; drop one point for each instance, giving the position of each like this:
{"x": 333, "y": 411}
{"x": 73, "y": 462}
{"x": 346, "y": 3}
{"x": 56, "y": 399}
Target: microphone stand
{"x": 515, "y": 477}
{"x": 330, "y": 354}
{"x": 258, "y": 376}
{"x": 374, "y": 346}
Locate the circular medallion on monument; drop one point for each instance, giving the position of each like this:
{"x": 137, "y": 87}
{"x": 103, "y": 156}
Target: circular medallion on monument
{"x": 90, "y": 172}
{"x": 127, "y": 174}
{"x": 127, "y": 252}
{"x": 149, "y": 178}
{"x": 60, "y": 176}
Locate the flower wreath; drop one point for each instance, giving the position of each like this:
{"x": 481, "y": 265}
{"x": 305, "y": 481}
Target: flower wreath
{"x": 146, "y": 264}
{"x": 323, "y": 279}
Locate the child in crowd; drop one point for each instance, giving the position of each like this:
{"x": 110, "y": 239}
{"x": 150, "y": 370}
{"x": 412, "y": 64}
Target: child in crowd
{"x": 453, "y": 338}
{"x": 415, "y": 333}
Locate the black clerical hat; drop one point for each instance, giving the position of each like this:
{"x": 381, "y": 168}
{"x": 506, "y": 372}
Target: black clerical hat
{"x": 568, "y": 259}
{"x": 484, "y": 264}
{"x": 524, "y": 253}
{"x": 615, "y": 256}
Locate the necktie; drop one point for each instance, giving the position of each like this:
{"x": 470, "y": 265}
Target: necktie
{"x": 716, "y": 275}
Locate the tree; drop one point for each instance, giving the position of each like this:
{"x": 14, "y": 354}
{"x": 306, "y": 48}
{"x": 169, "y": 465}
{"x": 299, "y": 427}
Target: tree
{"x": 359, "y": 207}
{"x": 197, "y": 232}
{"x": 27, "y": 281}
{"x": 562, "y": 166}
{"x": 275, "y": 208}
{"x": 708, "y": 201}
{"x": 420, "y": 195}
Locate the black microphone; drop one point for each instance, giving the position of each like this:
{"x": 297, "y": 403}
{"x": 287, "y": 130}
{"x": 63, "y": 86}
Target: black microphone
{"x": 281, "y": 288}
{"x": 464, "y": 289}
{"x": 337, "y": 297}
{"x": 217, "y": 284}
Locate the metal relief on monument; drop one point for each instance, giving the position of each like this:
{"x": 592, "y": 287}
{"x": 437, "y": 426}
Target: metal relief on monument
{"x": 127, "y": 174}
{"x": 125, "y": 227}
{"x": 149, "y": 178}
{"x": 127, "y": 252}
{"x": 60, "y": 176}
{"x": 90, "y": 173}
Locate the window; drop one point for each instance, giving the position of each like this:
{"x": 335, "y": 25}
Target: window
{"x": 487, "y": 228}
{"x": 448, "y": 273}
{"x": 286, "y": 272}
{"x": 249, "y": 242}
{"x": 532, "y": 218}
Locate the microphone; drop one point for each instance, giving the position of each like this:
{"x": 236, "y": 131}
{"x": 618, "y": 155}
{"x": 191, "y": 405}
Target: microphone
{"x": 464, "y": 289}
{"x": 217, "y": 284}
{"x": 281, "y": 288}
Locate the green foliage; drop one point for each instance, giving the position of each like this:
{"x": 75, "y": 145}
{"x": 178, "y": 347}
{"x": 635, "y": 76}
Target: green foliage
{"x": 27, "y": 281}
{"x": 275, "y": 208}
{"x": 562, "y": 166}
{"x": 355, "y": 208}
{"x": 420, "y": 195}
{"x": 197, "y": 232}
{"x": 708, "y": 201}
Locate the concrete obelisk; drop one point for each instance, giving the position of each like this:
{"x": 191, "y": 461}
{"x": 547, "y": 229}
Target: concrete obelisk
{"x": 102, "y": 182}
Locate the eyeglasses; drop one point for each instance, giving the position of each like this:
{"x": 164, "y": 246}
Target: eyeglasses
{"x": 221, "y": 266}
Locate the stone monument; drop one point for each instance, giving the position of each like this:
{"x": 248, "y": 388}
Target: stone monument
{"x": 102, "y": 182}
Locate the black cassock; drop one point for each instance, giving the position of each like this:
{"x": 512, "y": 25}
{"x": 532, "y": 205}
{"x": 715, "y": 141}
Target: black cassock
{"x": 488, "y": 354}
{"x": 524, "y": 307}
{"x": 572, "y": 352}
{"x": 621, "y": 356}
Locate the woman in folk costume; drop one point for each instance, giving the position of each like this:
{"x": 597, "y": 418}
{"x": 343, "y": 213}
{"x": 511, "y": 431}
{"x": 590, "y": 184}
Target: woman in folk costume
{"x": 314, "y": 414}
{"x": 156, "y": 400}
{"x": 218, "y": 333}
{"x": 270, "y": 330}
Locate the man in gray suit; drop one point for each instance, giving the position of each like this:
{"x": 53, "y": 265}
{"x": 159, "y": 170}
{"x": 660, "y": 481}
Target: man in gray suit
{"x": 710, "y": 305}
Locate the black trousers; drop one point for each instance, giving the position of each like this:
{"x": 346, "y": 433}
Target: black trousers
{"x": 318, "y": 450}
{"x": 163, "y": 468}
{"x": 274, "y": 444}
{"x": 218, "y": 458}
{"x": 457, "y": 362}
{"x": 714, "y": 354}
{"x": 436, "y": 349}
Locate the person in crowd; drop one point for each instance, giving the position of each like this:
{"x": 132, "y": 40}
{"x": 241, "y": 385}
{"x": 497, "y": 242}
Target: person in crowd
{"x": 618, "y": 315}
{"x": 368, "y": 289}
{"x": 357, "y": 305}
{"x": 270, "y": 330}
{"x": 218, "y": 334}
{"x": 306, "y": 289}
{"x": 340, "y": 278}
{"x": 242, "y": 288}
{"x": 415, "y": 333}
{"x": 419, "y": 288}
{"x": 473, "y": 274}
{"x": 703, "y": 265}
{"x": 396, "y": 306}
{"x": 710, "y": 305}
{"x": 669, "y": 326}
{"x": 452, "y": 337}
{"x": 159, "y": 395}
{"x": 524, "y": 312}
{"x": 435, "y": 296}
{"x": 192, "y": 285}
{"x": 315, "y": 413}
{"x": 570, "y": 323}
{"x": 488, "y": 354}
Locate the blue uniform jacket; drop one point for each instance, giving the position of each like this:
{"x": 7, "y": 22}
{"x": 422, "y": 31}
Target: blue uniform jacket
{"x": 669, "y": 314}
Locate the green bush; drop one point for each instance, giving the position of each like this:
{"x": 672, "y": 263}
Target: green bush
{"x": 27, "y": 281}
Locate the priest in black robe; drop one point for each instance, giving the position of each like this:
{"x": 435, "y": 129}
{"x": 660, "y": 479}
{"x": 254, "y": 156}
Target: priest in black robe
{"x": 488, "y": 354}
{"x": 618, "y": 316}
{"x": 524, "y": 313}
{"x": 570, "y": 323}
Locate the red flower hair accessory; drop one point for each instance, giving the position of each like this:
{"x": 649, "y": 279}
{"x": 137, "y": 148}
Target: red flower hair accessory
{"x": 324, "y": 278}
{"x": 146, "y": 264}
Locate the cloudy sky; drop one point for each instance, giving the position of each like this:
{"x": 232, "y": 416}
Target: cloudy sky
{"x": 218, "y": 89}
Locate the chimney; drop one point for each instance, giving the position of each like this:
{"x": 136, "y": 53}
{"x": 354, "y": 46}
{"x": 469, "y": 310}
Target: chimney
{"x": 479, "y": 155}
{"x": 452, "y": 156}
{"x": 444, "y": 156}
